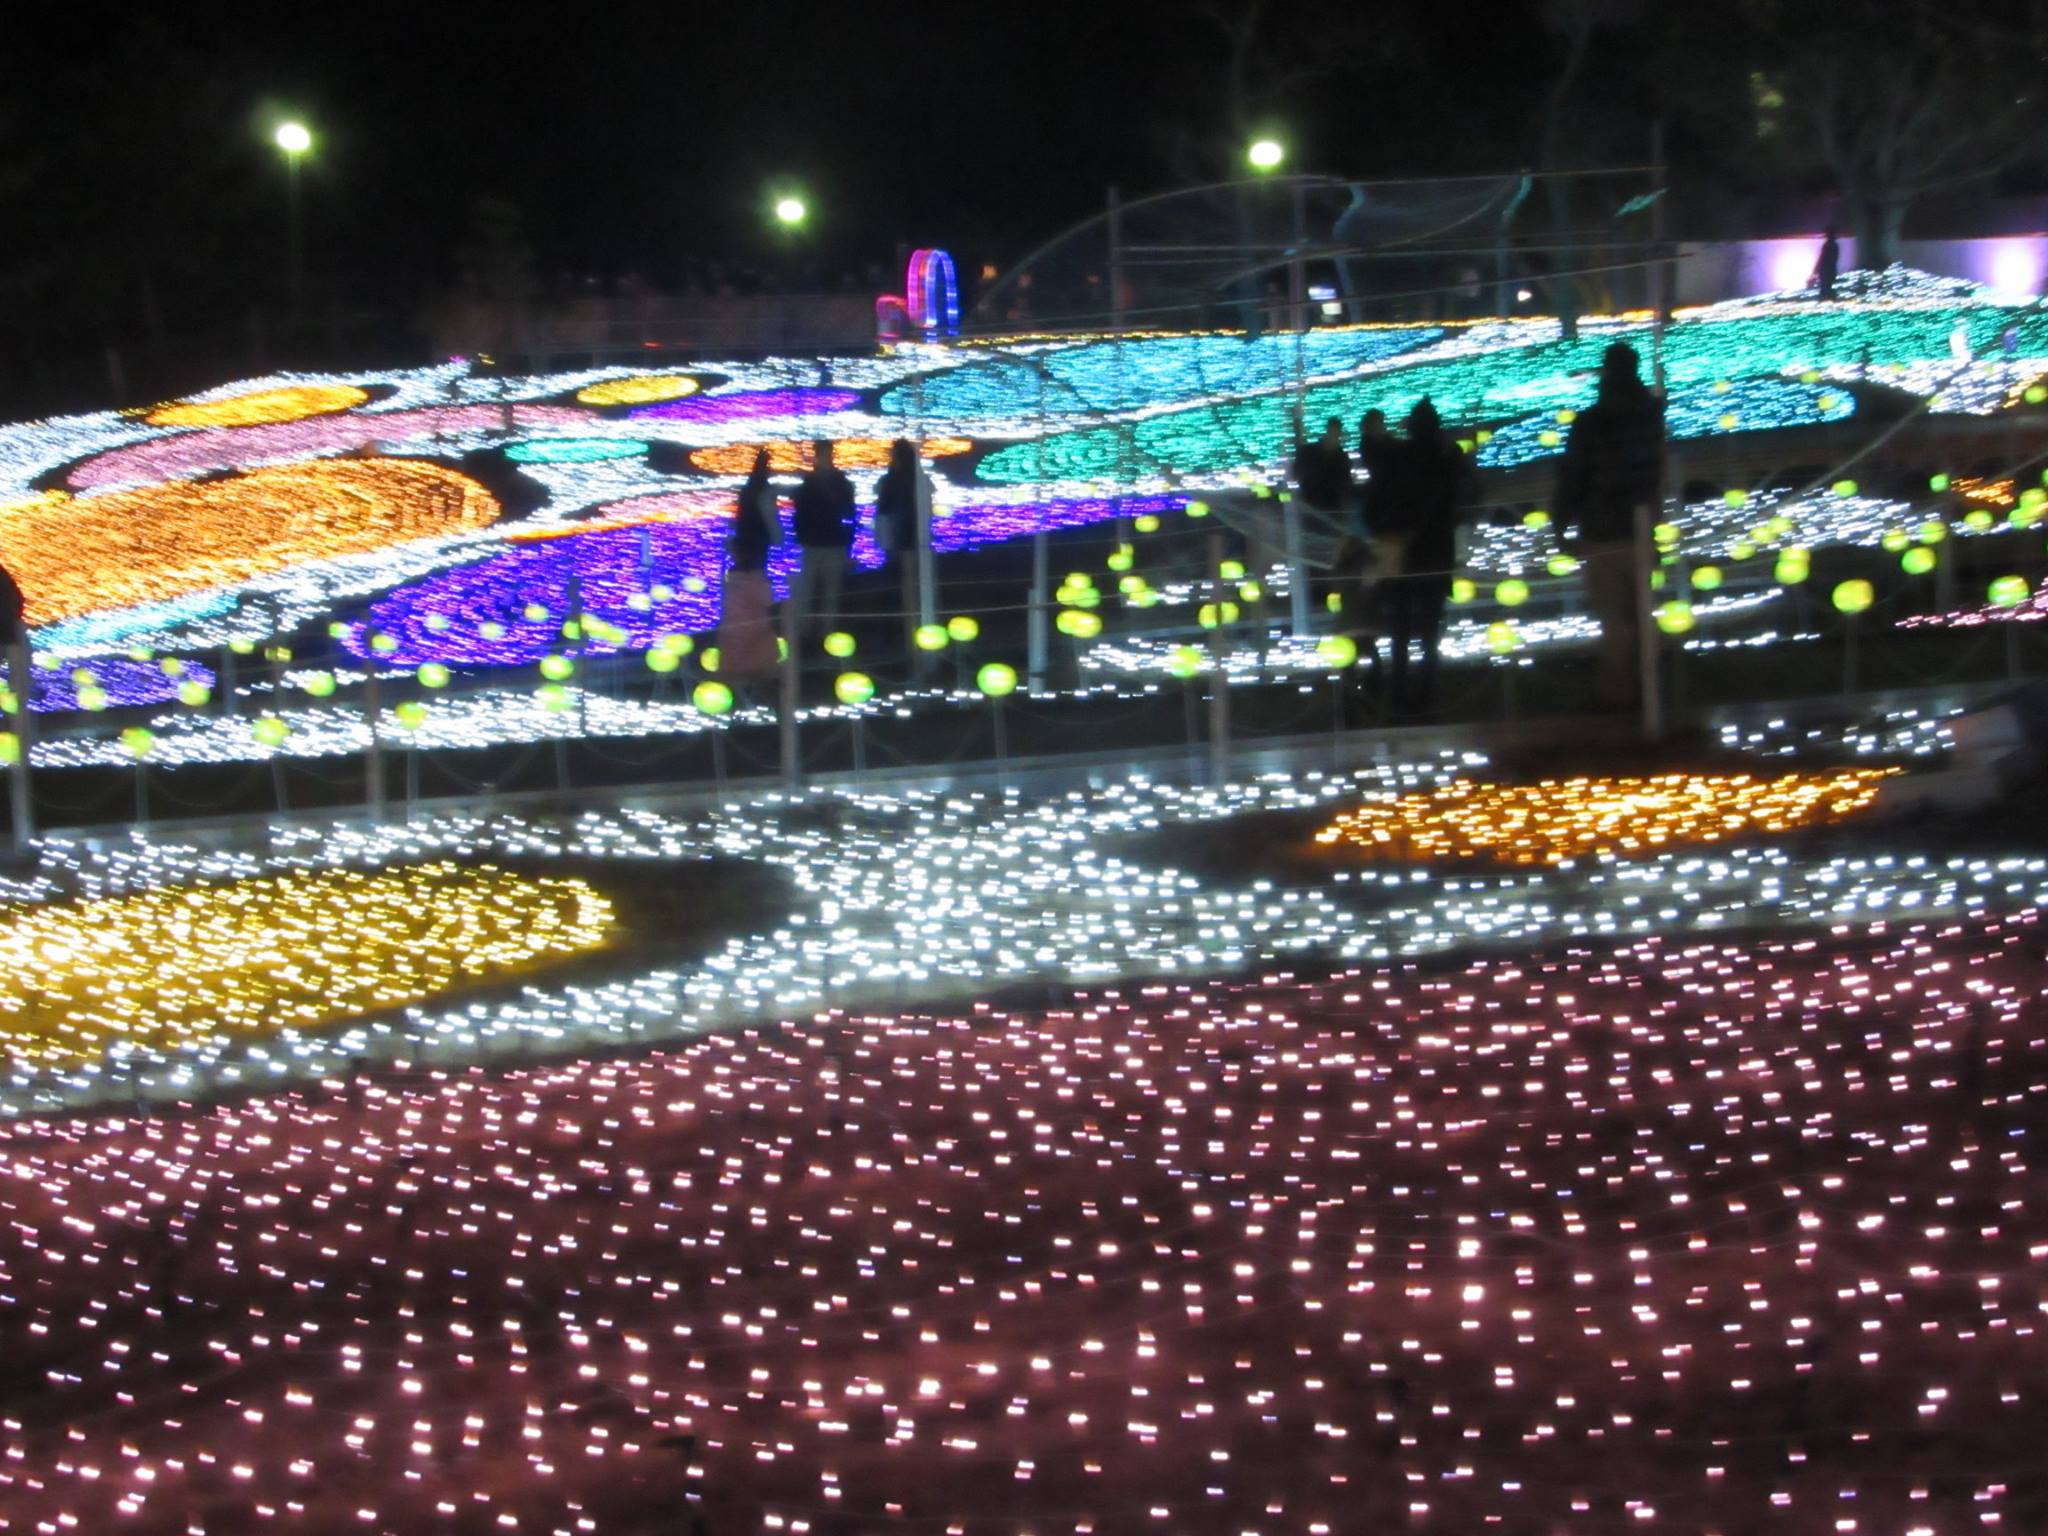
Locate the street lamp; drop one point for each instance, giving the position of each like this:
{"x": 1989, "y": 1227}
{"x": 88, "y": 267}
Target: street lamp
{"x": 1265, "y": 154}
{"x": 790, "y": 211}
{"x": 294, "y": 139}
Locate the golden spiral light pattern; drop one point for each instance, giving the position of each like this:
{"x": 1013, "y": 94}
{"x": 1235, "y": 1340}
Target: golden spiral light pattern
{"x": 76, "y": 555}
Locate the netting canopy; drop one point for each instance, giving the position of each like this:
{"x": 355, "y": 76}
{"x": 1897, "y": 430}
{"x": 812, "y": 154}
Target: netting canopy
{"x": 1284, "y": 252}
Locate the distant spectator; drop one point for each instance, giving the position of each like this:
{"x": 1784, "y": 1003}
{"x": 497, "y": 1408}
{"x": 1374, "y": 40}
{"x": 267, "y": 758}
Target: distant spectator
{"x": 12, "y": 605}
{"x": 1375, "y": 449}
{"x": 1415, "y": 533}
{"x": 1829, "y": 267}
{"x": 1322, "y": 469}
{"x": 746, "y": 620}
{"x": 1610, "y": 481}
{"x": 903, "y": 521}
{"x": 757, "y": 520}
{"x": 824, "y": 530}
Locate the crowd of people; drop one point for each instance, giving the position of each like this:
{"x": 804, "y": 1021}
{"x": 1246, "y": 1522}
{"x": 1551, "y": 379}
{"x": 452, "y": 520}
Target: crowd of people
{"x": 822, "y": 528}
{"x": 1407, "y": 494}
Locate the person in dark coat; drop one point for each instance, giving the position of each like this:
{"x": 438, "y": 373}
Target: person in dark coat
{"x": 903, "y": 525}
{"x": 1415, "y": 532}
{"x": 1322, "y": 470}
{"x": 1611, "y": 478}
{"x": 824, "y": 531}
{"x": 757, "y": 522}
{"x": 12, "y": 606}
{"x": 1829, "y": 267}
{"x": 1375, "y": 448}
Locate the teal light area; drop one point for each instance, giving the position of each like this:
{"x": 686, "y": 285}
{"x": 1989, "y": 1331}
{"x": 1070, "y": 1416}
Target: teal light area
{"x": 1699, "y": 410}
{"x": 574, "y": 450}
{"x": 1098, "y": 376}
{"x": 1492, "y": 382}
{"x": 112, "y": 628}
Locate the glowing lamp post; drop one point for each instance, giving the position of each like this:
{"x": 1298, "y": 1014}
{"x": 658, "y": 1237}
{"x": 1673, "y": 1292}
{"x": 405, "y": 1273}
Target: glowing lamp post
{"x": 293, "y": 139}
{"x": 1265, "y": 155}
{"x": 791, "y": 210}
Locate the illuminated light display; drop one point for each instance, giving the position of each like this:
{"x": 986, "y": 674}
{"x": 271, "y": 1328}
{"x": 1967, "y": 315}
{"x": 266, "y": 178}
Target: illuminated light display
{"x": 641, "y": 389}
{"x": 147, "y": 545}
{"x": 1560, "y": 1234}
{"x": 637, "y": 574}
{"x": 1513, "y": 367}
{"x": 169, "y": 967}
{"x": 1549, "y": 822}
{"x": 1752, "y": 405}
{"x": 293, "y": 402}
{"x": 1727, "y": 364}
{"x": 931, "y": 292}
{"x": 574, "y": 450}
{"x": 794, "y": 458}
{"x": 189, "y": 455}
{"x": 647, "y": 579}
{"x": 664, "y": 507}
{"x": 753, "y": 405}
{"x": 120, "y": 682}
{"x": 1070, "y": 379}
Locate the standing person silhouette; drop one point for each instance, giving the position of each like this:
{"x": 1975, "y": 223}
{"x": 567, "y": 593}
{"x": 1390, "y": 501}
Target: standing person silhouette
{"x": 1829, "y": 267}
{"x": 1414, "y": 517}
{"x": 1610, "y": 482}
{"x": 824, "y": 533}
{"x": 757, "y": 522}
{"x": 903, "y": 525}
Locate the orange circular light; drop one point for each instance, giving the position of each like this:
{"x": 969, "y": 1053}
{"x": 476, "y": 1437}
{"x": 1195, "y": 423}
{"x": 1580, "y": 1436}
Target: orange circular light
{"x": 795, "y": 458}
{"x": 292, "y": 402}
{"x": 141, "y": 546}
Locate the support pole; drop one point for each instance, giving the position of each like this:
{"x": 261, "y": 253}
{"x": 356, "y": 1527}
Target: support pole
{"x": 1115, "y": 221}
{"x": 1660, "y": 271}
{"x": 21, "y": 802}
{"x": 373, "y": 758}
{"x": 1650, "y": 680}
{"x": 1002, "y": 734}
{"x": 927, "y": 562}
{"x": 1297, "y": 567}
{"x": 1219, "y": 676}
{"x": 792, "y": 766}
{"x": 1037, "y": 619}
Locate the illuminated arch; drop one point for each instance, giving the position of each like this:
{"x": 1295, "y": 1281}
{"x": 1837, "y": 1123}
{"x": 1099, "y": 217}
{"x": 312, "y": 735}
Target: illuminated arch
{"x": 931, "y": 292}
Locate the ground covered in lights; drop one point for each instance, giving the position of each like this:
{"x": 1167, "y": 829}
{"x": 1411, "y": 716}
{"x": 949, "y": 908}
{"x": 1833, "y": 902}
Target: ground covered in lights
{"x": 1665, "y": 1234}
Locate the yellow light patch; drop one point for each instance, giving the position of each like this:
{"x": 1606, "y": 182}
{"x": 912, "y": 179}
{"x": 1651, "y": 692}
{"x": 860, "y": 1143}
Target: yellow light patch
{"x": 1559, "y": 819}
{"x": 293, "y": 402}
{"x": 644, "y": 389}
{"x": 175, "y": 966}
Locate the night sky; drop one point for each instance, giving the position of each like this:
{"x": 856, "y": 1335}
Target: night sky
{"x": 634, "y": 135}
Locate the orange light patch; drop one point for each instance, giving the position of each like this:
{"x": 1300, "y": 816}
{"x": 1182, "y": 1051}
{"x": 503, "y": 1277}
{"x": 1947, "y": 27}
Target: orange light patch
{"x": 795, "y": 458}
{"x": 673, "y": 507}
{"x": 80, "y": 554}
{"x": 293, "y": 402}
{"x": 1559, "y": 819}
